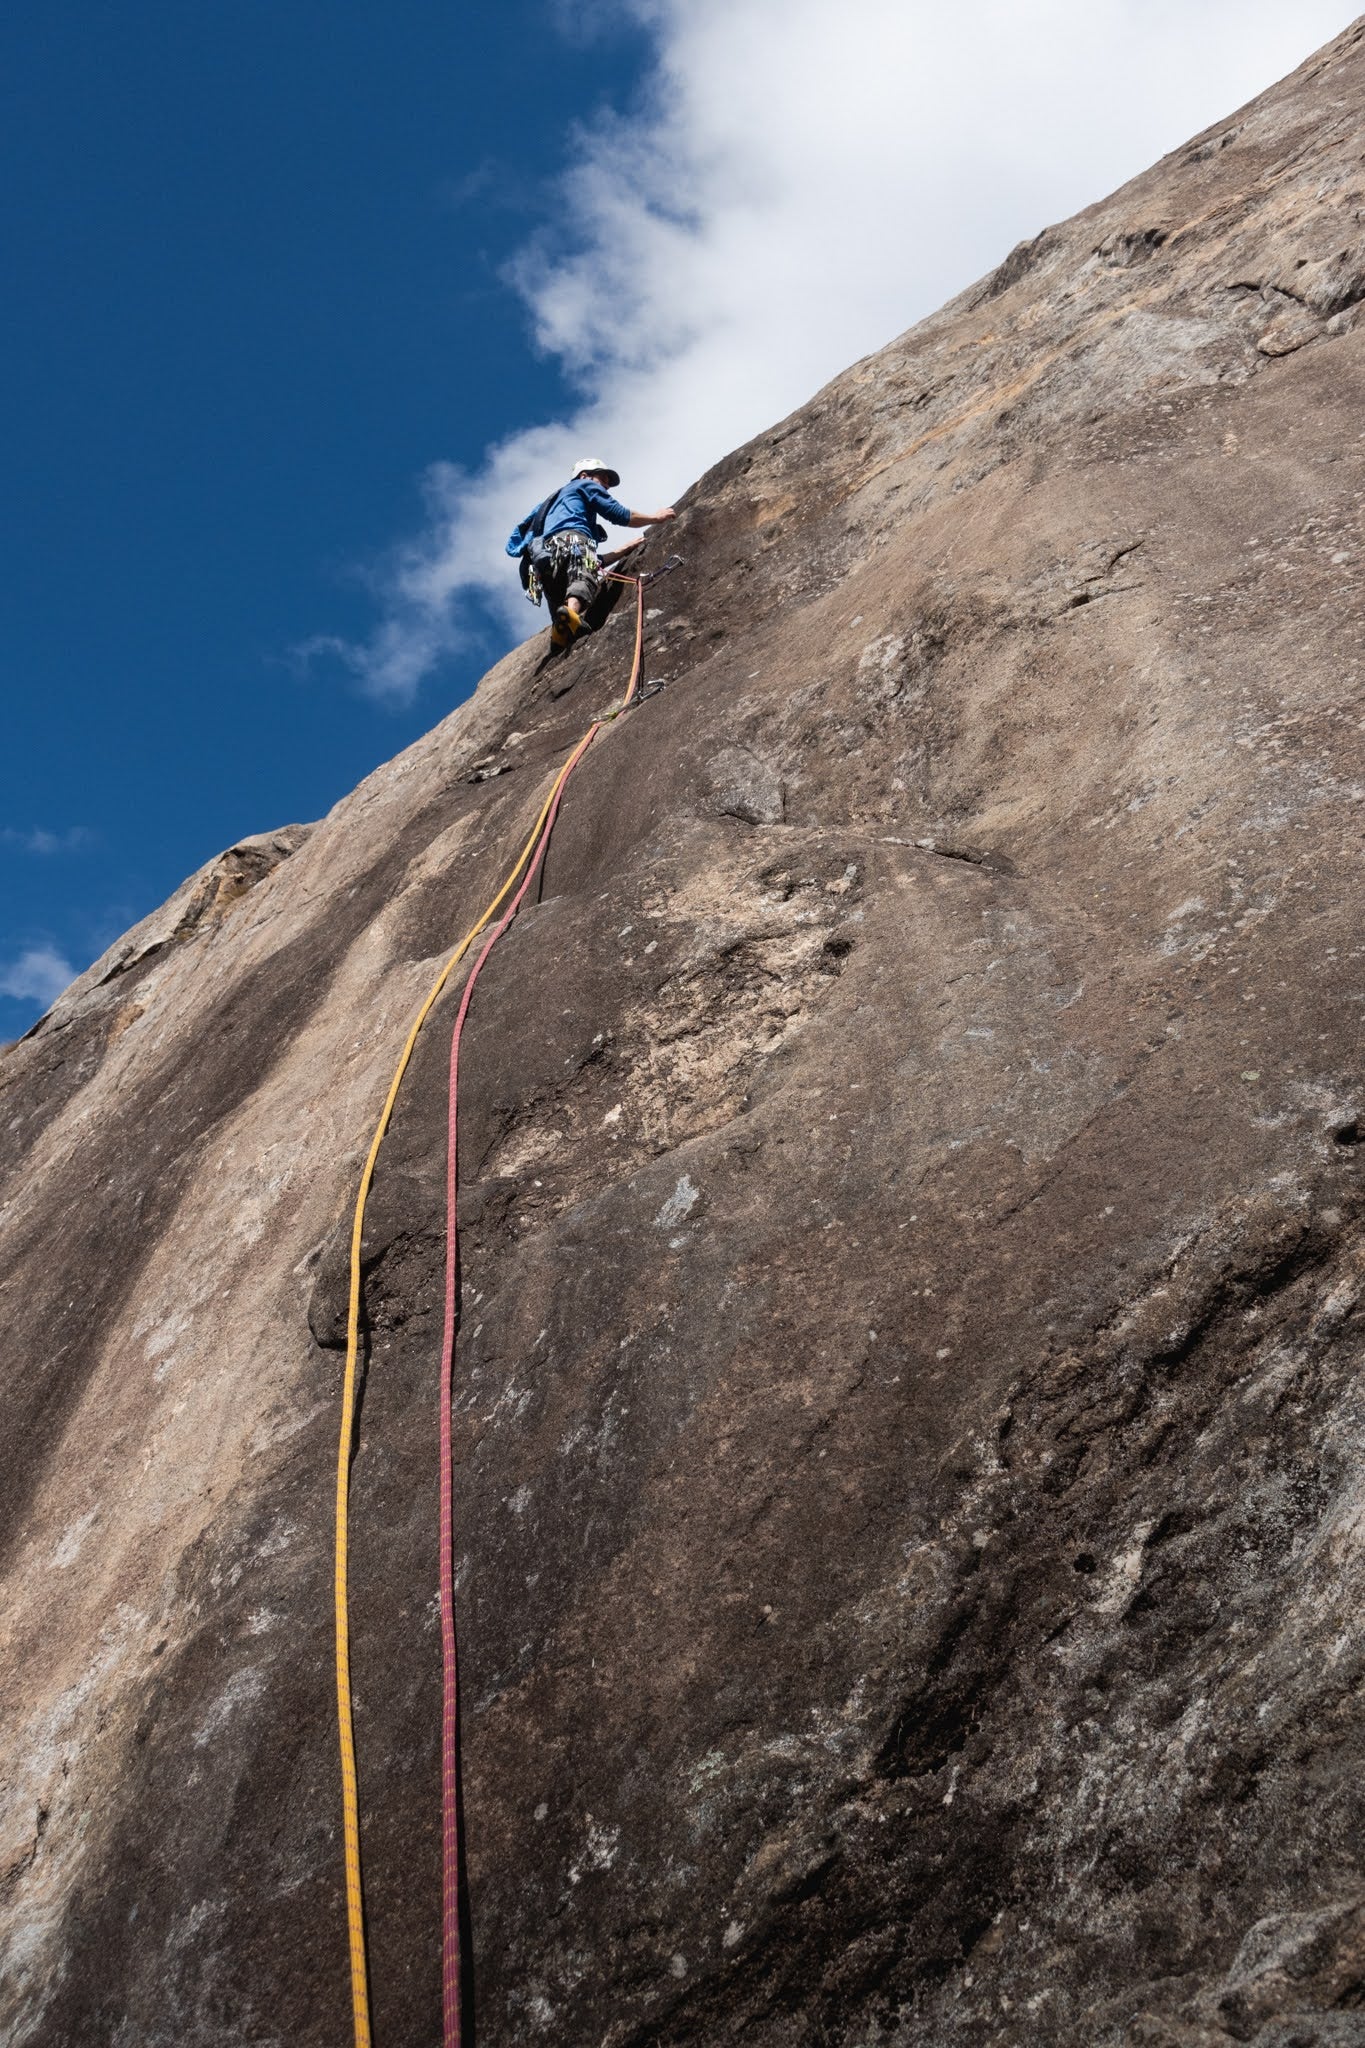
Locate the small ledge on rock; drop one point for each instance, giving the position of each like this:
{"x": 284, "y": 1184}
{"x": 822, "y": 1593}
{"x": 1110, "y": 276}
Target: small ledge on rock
{"x": 207, "y": 898}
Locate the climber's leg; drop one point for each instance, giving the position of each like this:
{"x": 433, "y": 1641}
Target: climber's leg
{"x": 552, "y": 574}
{"x": 585, "y": 580}
{"x": 581, "y": 586}
{"x": 571, "y": 580}
{"x": 569, "y": 622}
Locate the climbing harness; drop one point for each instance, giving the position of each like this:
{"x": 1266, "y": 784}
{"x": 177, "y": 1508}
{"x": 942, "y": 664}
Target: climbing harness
{"x": 518, "y": 881}
{"x": 570, "y": 555}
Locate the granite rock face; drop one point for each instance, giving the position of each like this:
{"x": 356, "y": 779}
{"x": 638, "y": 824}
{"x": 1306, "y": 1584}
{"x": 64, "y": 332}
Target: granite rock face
{"x": 911, "y": 1428}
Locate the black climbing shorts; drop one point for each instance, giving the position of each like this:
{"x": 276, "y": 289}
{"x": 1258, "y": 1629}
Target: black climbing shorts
{"x": 566, "y": 566}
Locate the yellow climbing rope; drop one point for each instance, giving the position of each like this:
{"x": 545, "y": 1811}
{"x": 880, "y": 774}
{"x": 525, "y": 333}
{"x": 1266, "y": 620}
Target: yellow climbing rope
{"x": 350, "y": 1794}
{"x": 350, "y": 1797}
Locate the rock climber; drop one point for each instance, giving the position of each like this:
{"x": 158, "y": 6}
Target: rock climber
{"x": 557, "y": 545}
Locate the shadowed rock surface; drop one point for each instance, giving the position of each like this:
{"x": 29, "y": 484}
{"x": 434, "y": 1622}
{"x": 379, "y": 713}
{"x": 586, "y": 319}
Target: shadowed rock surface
{"x": 910, "y": 1418}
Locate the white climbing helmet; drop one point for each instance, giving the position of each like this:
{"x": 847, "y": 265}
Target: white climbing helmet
{"x": 598, "y": 468}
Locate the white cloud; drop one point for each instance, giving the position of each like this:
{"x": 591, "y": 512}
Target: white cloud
{"x": 38, "y": 976}
{"x": 803, "y": 183}
{"x": 39, "y": 840}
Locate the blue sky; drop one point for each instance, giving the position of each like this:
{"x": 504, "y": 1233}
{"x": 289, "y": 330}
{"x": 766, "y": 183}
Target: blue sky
{"x": 305, "y": 303}
{"x": 252, "y": 259}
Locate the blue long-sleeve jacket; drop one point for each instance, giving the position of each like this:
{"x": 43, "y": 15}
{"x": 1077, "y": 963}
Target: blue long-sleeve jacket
{"x": 576, "y": 509}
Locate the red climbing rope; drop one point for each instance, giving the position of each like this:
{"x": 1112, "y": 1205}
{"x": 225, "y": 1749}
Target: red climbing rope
{"x": 450, "y": 1755}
